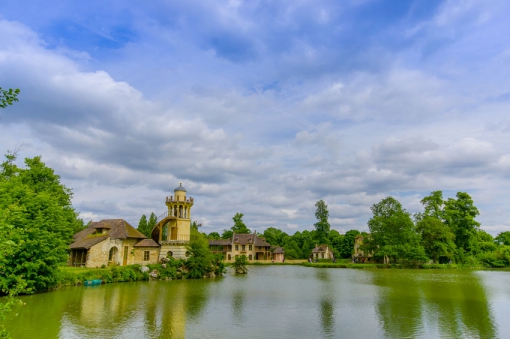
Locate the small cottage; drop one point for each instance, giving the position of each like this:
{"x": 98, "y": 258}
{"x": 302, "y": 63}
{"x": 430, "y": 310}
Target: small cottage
{"x": 322, "y": 252}
{"x": 112, "y": 242}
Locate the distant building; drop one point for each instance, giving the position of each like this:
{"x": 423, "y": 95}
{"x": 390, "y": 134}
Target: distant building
{"x": 112, "y": 242}
{"x": 359, "y": 255}
{"x": 322, "y": 252}
{"x": 254, "y": 247}
{"x": 173, "y": 227}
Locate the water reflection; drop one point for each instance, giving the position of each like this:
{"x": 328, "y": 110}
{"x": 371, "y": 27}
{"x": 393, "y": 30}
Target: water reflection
{"x": 156, "y": 309}
{"x": 278, "y": 301}
{"x": 326, "y": 304}
{"x": 422, "y": 303}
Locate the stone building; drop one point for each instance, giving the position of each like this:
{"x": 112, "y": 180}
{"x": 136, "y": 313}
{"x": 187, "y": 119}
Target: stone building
{"x": 322, "y": 252}
{"x": 173, "y": 227}
{"x": 254, "y": 247}
{"x": 359, "y": 256}
{"x": 112, "y": 242}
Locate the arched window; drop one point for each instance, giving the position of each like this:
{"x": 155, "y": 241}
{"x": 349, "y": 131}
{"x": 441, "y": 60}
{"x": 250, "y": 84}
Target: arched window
{"x": 169, "y": 254}
{"x": 112, "y": 256}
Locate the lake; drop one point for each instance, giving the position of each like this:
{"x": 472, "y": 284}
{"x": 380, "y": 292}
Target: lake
{"x": 279, "y": 302}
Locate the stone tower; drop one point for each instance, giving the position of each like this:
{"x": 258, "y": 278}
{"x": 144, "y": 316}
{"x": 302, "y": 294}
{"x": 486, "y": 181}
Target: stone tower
{"x": 173, "y": 229}
{"x": 179, "y": 207}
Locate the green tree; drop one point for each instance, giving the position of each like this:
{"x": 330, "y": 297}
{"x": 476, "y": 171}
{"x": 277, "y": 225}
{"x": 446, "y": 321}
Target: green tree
{"x": 227, "y": 234}
{"x": 437, "y": 239}
{"x": 503, "y": 238}
{"x": 239, "y": 226}
{"x": 322, "y": 225}
{"x": 347, "y": 244}
{"x": 39, "y": 218}
{"x": 433, "y": 205}
{"x": 460, "y": 216}
{"x": 153, "y": 220}
{"x": 8, "y": 96}
{"x": 240, "y": 263}
{"x": 200, "y": 259}
{"x": 274, "y": 236}
{"x": 214, "y": 235}
{"x": 142, "y": 225}
{"x": 392, "y": 233}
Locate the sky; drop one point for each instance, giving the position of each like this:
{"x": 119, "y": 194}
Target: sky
{"x": 262, "y": 107}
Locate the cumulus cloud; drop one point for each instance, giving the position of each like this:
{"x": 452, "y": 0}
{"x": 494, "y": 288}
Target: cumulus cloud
{"x": 263, "y": 109}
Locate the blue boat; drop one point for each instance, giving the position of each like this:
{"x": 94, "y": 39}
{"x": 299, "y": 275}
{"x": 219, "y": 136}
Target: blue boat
{"x": 92, "y": 282}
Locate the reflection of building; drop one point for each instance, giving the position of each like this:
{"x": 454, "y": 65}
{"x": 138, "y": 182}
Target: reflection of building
{"x": 173, "y": 229}
{"x": 112, "y": 241}
{"x": 322, "y": 252}
{"x": 359, "y": 255}
{"x": 251, "y": 245}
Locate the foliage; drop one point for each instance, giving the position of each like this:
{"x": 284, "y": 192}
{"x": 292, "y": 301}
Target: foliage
{"x": 214, "y": 236}
{"x": 142, "y": 225}
{"x": 239, "y": 226}
{"x": 8, "y": 96}
{"x": 436, "y": 238}
{"x": 37, "y": 216}
{"x": 274, "y": 236}
{"x": 503, "y": 238}
{"x": 200, "y": 259}
{"x": 153, "y": 220}
{"x": 145, "y": 227}
{"x": 347, "y": 244}
{"x": 460, "y": 216}
{"x": 322, "y": 225}
{"x": 392, "y": 232}
{"x": 227, "y": 234}
{"x": 240, "y": 263}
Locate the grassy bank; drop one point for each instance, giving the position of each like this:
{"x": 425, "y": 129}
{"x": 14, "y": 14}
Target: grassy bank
{"x": 75, "y": 276}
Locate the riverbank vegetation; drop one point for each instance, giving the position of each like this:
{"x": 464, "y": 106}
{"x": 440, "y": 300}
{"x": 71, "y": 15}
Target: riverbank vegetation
{"x": 444, "y": 235}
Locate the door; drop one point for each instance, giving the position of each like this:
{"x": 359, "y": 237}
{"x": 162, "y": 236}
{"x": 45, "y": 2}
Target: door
{"x": 126, "y": 249}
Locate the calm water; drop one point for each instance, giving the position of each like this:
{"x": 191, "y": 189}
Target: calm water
{"x": 279, "y": 302}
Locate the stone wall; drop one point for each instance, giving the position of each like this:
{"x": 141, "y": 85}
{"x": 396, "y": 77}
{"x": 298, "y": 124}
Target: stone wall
{"x": 139, "y": 255}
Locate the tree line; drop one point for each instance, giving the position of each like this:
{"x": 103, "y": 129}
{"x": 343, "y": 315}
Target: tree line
{"x": 445, "y": 232}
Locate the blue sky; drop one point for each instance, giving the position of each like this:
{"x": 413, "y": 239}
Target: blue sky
{"x": 263, "y": 107}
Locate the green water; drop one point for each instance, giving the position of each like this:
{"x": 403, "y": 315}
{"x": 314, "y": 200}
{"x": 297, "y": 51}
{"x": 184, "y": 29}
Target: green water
{"x": 279, "y": 302}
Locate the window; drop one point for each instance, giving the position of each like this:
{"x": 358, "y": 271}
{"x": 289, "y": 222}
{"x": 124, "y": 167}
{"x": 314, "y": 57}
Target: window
{"x": 249, "y": 247}
{"x": 237, "y": 247}
{"x": 249, "y": 257}
{"x": 244, "y": 247}
{"x": 146, "y": 255}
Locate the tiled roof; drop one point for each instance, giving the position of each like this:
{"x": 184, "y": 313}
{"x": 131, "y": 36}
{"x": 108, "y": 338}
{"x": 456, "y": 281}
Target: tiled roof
{"x": 321, "y": 248}
{"x": 87, "y": 242}
{"x": 261, "y": 242}
{"x": 278, "y": 250}
{"x": 244, "y": 239}
{"x": 220, "y": 242}
{"x": 117, "y": 229}
{"x": 146, "y": 243}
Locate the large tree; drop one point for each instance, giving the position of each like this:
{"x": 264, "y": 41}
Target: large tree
{"x": 239, "y": 226}
{"x": 347, "y": 244}
{"x": 460, "y": 216}
{"x": 436, "y": 238}
{"x": 142, "y": 225}
{"x": 392, "y": 233}
{"x": 322, "y": 225}
{"x": 38, "y": 223}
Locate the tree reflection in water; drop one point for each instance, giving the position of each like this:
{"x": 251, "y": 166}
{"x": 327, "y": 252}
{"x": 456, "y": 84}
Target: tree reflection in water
{"x": 450, "y": 305}
{"x": 327, "y": 301}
